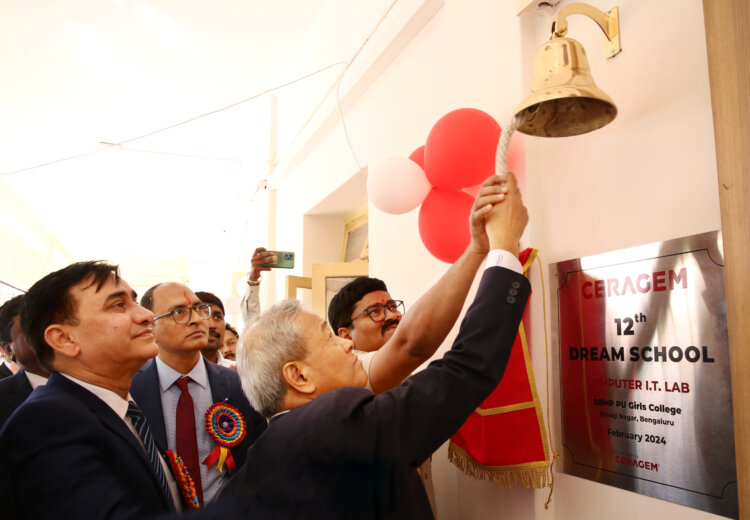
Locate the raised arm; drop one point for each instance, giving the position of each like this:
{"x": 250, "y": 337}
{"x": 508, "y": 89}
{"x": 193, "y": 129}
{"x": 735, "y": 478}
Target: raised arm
{"x": 431, "y": 318}
{"x": 423, "y": 412}
{"x": 251, "y": 298}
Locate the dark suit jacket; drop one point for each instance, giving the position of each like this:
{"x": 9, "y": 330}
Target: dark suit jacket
{"x": 351, "y": 454}
{"x": 225, "y": 387}
{"x": 70, "y": 455}
{"x": 4, "y": 370}
{"x": 13, "y": 391}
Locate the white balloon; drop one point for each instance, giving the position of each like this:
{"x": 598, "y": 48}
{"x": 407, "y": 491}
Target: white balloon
{"x": 397, "y": 185}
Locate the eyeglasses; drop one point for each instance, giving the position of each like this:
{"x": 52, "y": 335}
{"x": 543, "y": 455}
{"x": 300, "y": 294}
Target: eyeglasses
{"x": 182, "y": 315}
{"x": 376, "y": 312}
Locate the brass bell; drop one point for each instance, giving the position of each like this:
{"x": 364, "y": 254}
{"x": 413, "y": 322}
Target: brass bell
{"x": 564, "y": 99}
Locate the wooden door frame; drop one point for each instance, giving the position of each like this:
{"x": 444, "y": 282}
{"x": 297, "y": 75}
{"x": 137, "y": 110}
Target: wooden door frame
{"x": 727, "y": 42}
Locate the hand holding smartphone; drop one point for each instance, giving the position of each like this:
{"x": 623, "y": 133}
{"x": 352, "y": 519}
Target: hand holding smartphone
{"x": 284, "y": 260}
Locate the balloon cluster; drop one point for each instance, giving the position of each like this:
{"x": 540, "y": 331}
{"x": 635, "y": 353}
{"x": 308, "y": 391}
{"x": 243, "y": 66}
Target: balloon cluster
{"x": 443, "y": 176}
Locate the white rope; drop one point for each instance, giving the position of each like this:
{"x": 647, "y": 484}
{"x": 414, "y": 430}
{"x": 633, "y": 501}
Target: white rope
{"x": 501, "y": 156}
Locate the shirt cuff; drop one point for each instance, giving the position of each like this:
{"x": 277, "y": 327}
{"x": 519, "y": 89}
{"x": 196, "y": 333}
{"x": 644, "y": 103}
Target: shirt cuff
{"x": 502, "y": 258}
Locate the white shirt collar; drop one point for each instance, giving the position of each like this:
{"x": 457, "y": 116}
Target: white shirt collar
{"x": 277, "y": 415}
{"x": 168, "y": 375}
{"x": 34, "y": 379}
{"x": 114, "y": 401}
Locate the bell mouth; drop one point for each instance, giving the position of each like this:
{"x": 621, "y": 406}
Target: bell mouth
{"x": 565, "y": 115}
{"x": 564, "y": 99}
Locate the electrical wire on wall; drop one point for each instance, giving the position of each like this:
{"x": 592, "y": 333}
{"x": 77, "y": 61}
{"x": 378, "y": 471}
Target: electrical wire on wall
{"x": 336, "y": 85}
{"x": 107, "y": 146}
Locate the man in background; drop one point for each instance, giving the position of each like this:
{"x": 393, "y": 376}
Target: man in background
{"x": 216, "y": 329}
{"x": 7, "y": 366}
{"x": 15, "y": 389}
{"x": 390, "y": 345}
{"x": 231, "y": 337}
{"x": 177, "y": 387}
{"x": 251, "y": 299}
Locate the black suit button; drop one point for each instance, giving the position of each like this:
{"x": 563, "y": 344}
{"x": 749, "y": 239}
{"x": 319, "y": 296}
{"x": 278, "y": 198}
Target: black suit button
{"x": 515, "y": 284}
{"x": 512, "y": 292}
{"x": 510, "y": 299}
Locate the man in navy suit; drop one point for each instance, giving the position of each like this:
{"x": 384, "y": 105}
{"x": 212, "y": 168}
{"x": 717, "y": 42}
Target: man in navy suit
{"x": 181, "y": 331}
{"x": 333, "y": 450}
{"x": 15, "y": 389}
{"x": 77, "y": 448}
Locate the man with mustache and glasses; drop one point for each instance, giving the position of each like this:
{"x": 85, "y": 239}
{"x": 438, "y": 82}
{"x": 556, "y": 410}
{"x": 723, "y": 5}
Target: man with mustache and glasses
{"x": 175, "y": 389}
{"x": 390, "y": 344}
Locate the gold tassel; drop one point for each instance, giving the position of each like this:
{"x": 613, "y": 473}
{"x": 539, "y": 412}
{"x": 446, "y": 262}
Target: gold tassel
{"x": 537, "y": 478}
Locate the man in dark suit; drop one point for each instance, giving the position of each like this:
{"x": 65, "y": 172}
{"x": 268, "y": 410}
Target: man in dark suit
{"x": 336, "y": 451}
{"x": 5, "y": 358}
{"x": 15, "y": 389}
{"x": 77, "y": 447}
{"x": 181, "y": 331}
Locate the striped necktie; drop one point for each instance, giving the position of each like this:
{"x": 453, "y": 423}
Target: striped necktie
{"x": 141, "y": 426}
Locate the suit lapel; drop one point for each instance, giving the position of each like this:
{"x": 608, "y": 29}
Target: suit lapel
{"x": 102, "y": 411}
{"x": 218, "y": 383}
{"x": 19, "y": 384}
{"x": 152, "y": 408}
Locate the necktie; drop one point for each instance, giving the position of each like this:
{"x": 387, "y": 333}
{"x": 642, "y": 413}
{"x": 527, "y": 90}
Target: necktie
{"x": 141, "y": 426}
{"x": 187, "y": 443}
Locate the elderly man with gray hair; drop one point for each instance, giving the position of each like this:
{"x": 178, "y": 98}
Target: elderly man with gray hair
{"x": 334, "y": 449}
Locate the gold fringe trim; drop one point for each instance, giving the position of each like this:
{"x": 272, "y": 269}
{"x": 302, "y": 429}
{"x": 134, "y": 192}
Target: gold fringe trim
{"x": 505, "y": 409}
{"x": 507, "y": 476}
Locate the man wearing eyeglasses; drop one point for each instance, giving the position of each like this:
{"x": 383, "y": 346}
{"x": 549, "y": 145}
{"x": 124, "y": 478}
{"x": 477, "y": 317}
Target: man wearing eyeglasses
{"x": 336, "y": 451}
{"x": 175, "y": 389}
{"x": 78, "y": 447}
{"x": 392, "y": 345}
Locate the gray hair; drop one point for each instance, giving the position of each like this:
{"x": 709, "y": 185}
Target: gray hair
{"x": 272, "y": 341}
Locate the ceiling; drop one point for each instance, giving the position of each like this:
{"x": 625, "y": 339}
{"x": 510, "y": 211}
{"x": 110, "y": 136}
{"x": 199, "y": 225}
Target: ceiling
{"x": 80, "y": 76}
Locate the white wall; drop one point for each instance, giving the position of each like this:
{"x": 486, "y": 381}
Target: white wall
{"x": 649, "y": 176}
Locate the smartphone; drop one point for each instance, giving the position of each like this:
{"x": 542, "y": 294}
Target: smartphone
{"x": 284, "y": 259}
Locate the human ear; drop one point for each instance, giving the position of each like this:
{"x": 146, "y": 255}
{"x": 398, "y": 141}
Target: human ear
{"x": 345, "y": 333}
{"x": 297, "y": 376}
{"x": 60, "y": 339}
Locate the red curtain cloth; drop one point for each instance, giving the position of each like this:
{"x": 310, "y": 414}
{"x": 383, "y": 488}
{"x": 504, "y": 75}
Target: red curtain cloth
{"x": 505, "y": 438}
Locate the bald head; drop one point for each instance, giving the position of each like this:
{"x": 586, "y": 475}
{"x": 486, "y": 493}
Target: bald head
{"x": 180, "y": 324}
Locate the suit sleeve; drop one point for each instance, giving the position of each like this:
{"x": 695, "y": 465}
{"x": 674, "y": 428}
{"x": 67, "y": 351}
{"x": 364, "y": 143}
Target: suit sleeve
{"x": 417, "y": 417}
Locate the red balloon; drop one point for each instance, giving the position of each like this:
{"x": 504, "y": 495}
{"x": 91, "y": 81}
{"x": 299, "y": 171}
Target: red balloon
{"x": 444, "y": 223}
{"x": 473, "y": 190}
{"x": 418, "y": 156}
{"x": 460, "y": 149}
